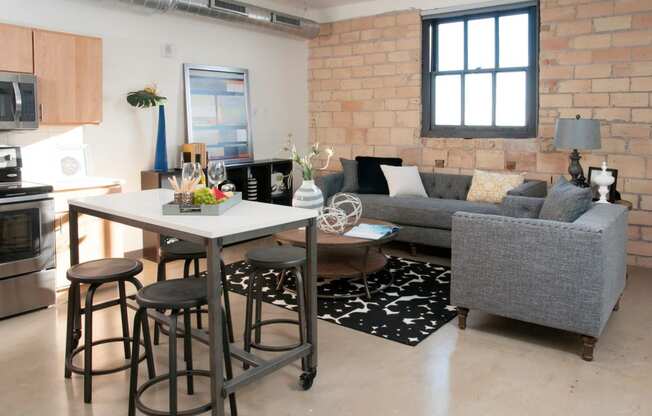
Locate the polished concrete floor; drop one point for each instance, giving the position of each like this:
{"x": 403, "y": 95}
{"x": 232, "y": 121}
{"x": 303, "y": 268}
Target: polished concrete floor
{"x": 496, "y": 367}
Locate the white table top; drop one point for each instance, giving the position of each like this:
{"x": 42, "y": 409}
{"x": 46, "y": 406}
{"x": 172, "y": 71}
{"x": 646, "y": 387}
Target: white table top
{"x": 145, "y": 207}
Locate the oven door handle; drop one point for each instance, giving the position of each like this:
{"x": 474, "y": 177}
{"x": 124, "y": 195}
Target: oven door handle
{"x": 19, "y": 101}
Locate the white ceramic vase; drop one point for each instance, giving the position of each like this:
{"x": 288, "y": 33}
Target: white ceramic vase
{"x": 308, "y": 196}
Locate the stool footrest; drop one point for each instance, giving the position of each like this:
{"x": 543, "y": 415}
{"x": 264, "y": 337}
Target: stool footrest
{"x": 274, "y": 348}
{"x": 165, "y": 377}
{"x": 78, "y": 370}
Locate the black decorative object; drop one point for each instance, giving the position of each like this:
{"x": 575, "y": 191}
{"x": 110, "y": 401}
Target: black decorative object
{"x": 408, "y": 311}
{"x": 371, "y": 179}
{"x": 614, "y": 195}
{"x": 577, "y": 133}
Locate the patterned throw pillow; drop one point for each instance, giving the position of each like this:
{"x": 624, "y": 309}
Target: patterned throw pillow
{"x": 492, "y": 186}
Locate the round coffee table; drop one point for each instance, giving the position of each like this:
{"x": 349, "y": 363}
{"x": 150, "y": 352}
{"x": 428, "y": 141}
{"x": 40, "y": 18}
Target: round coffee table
{"x": 345, "y": 257}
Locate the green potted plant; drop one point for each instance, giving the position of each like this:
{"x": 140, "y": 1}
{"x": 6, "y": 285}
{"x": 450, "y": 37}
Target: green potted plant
{"x": 147, "y": 98}
{"x": 308, "y": 195}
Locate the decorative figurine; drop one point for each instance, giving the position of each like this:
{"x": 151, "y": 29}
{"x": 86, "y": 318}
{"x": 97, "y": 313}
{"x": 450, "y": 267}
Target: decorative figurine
{"x": 604, "y": 180}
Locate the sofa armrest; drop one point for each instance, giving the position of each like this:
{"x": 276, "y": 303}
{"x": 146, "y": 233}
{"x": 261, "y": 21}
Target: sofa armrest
{"x": 531, "y": 188}
{"x": 521, "y": 206}
{"x": 563, "y": 275}
{"x": 330, "y": 184}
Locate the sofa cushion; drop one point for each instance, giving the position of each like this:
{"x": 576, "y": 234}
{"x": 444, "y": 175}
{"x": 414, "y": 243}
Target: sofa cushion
{"x": 492, "y": 186}
{"x": 371, "y": 179}
{"x": 566, "y": 202}
{"x": 350, "y": 171}
{"x": 449, "y": 186}
{"x": 403, "y": 181}
{"x": 422, "y": 212}
{"x": 521, "y": 206}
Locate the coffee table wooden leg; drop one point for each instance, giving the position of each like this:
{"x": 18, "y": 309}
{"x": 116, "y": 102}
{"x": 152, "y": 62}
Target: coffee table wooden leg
{"x": 364, "y": 272}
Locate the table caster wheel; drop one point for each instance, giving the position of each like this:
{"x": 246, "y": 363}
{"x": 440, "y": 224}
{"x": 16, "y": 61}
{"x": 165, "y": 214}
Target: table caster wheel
{"x": 307, "y": 379}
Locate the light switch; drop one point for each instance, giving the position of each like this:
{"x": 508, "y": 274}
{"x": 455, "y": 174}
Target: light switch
{"x": 168, "y": 50}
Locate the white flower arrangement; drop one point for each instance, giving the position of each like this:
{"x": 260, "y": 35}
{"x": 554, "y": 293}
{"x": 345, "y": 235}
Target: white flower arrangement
{"x": 306, "y": 162}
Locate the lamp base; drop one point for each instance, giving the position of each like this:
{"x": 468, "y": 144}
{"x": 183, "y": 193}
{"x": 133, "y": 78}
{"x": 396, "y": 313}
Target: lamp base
{"x": 576, "y": 171}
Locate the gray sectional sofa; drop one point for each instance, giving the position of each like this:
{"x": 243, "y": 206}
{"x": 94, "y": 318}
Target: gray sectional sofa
{"x": 427, "y": 220}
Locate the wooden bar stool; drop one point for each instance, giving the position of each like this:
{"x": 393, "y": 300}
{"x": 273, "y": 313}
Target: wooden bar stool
{"x": 95, "y": 274}
{"x": 288, "y": 259}
{"x": 190, "y": 253}
{"x": 180, "y": 296}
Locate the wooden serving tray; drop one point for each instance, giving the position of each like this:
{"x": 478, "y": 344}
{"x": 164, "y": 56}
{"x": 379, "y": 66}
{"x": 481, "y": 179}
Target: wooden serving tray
{"x": 175, "y": 209}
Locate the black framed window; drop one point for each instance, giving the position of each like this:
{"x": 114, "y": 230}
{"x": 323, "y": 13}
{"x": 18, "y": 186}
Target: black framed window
{"x": 480, "y": 74}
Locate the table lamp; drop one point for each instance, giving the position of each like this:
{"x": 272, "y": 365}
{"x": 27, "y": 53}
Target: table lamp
{"x": 577, "y": 133}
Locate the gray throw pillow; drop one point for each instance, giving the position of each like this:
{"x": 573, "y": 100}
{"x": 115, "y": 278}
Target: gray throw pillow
{"x": 566, "y": 202}
{"x": 350, "y": 170}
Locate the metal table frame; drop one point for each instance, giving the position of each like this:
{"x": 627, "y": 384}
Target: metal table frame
{"x": 221, "y": 388}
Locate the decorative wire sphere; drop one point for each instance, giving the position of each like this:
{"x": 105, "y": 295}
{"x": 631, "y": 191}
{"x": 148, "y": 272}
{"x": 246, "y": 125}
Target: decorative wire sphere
{"x": 350, "y": 205}
{"x": 332, "y": 220}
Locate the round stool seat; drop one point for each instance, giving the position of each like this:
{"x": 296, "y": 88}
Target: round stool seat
{"x": 182, "y": 249}
{"x": 280, "y": 257}
{"x": 104, "y": 270}
{"x": 173, "y": 294}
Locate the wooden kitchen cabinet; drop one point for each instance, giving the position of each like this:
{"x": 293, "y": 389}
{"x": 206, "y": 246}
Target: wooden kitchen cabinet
{"x": 16, "y": 50}
{"x": 69, "y": 72}
{"x": 98, "y": 238}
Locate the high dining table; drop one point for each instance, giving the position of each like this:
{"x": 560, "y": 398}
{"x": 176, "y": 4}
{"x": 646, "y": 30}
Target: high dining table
{"x": 245, "y": 221}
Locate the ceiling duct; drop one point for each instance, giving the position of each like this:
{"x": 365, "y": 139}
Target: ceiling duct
{"x": 236, "y": 11}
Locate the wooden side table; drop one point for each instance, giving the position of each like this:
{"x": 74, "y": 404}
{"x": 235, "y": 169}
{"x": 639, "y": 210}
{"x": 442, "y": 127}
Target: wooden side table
{"x": 625, "y": 203}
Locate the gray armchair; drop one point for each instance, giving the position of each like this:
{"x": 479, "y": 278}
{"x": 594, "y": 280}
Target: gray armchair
{"x": 568, "y": 276}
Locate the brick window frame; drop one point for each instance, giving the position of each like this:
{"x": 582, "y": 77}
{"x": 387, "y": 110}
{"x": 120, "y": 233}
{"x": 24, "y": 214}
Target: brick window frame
{"x": 429, "y": 71}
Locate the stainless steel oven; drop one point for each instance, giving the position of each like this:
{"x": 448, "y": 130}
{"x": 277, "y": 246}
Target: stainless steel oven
{"x": 18, "y": 108}
{"x": 26, "y": 236}
{"x": 27, "y": 254}
{"x": 27, "y": 239}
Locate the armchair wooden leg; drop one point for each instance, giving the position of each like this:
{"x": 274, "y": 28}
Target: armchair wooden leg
{"x": 589, "y": 346}
{"x": 461, "y": 316}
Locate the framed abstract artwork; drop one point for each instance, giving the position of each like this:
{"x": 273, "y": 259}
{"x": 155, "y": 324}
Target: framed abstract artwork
{"x": 217, "y": 111}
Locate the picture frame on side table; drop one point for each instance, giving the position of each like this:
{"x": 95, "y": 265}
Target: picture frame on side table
{"x": 594, "y": 170}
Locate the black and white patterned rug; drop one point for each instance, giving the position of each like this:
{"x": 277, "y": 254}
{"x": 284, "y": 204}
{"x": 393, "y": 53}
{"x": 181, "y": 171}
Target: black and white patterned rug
{"x": 414, "y": 306}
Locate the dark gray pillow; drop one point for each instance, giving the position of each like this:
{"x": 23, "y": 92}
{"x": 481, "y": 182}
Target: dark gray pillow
{"x": 350, "y": 170}
{"x": 566, "y": 202}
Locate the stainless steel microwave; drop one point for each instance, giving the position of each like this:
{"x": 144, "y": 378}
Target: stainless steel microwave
{"x": 18, "y": 108}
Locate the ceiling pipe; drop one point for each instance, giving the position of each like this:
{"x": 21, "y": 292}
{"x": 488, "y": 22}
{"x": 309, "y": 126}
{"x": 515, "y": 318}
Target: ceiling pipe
{"x": 236, "y": 11}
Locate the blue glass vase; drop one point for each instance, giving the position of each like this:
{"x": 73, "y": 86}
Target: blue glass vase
{"x": 161, "y": 157}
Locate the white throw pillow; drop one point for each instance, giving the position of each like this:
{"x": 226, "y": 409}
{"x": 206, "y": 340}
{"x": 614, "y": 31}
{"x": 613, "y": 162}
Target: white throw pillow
{"x": 404, "y": 181}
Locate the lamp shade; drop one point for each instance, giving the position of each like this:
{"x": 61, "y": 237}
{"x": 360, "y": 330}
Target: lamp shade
{"x": 577, "y": 133}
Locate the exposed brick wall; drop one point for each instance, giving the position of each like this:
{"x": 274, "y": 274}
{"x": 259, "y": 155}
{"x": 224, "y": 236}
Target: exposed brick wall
{"x": 595, "y": 60}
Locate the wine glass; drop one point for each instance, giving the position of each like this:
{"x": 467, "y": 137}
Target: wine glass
{"x": 190, "y": 172}
{"x": 196, "y": 173}
{"x": 187, "y": 172}
{"x": 216, "y": 172}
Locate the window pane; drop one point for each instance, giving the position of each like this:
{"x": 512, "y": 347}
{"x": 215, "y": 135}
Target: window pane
{"x": 510, "y": 98}
{"x": 481, "y": 43}
{"x": 450, "y": 46}
{"x": 477, "y": 100}
{"x": 514, "y": 40}
{"x": 448, "y": 97}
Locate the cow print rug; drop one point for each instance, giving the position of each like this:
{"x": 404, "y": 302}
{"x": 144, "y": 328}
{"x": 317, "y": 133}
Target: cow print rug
{"x": 414, "y": 306}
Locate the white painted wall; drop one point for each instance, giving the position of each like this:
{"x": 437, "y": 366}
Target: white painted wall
{"x": 123, "y": 144}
